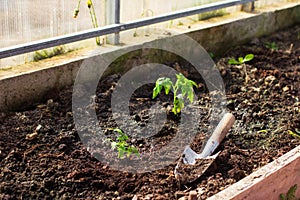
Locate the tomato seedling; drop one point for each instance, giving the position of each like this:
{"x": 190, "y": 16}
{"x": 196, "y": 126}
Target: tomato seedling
{"x": 121, "y": 144}
{"x": 181, "y": 89}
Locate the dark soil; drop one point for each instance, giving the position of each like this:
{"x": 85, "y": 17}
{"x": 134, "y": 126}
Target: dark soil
{"x": 42, "y": 156}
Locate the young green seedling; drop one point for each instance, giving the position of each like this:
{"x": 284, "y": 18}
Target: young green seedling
{"x": 122, "y": 146}
{"x": 181, "y": 89}
{"x": 290, "y": 195}
{"x": 241, "y": 61}
{"x": 295, "y": 134}
{"x": 273, "y": 46}
{"x": 211, "y": 54}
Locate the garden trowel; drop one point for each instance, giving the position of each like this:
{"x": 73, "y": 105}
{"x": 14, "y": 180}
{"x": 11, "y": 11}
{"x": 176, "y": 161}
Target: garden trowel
{"x": 192, "y": 165}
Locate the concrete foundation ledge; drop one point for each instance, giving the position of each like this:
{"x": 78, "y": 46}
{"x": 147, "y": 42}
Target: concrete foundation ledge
{"x": 22, "y": 86}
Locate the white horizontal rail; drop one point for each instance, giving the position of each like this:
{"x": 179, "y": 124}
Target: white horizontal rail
{"x": 115, "y": 28}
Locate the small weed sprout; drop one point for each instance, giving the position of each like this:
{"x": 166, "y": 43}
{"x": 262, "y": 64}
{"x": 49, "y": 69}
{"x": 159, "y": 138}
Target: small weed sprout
{"x": 48, "y": 53}
{"x": 271, "y": 45}
{"x": 241, "y": 61}
{"x": 211, "y": 54}
{"x": 290, "y": 195}
{"x": 295, "y": 134}
{"x": 182, "y": 88}
{"x": 121, "y": 144}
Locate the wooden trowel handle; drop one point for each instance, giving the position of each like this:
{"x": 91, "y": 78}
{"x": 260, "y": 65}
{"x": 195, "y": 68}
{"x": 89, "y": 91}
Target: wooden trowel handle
{"x": 223, "y": 127}
{"x": 218, "y": 135}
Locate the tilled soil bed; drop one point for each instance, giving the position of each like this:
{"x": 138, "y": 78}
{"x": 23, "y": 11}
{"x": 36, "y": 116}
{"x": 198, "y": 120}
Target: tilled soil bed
{"x": 42, "y": 156}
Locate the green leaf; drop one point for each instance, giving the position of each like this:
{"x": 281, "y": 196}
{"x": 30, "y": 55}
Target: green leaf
{"x": 184, "y": 89}
{"x": 162, "y": 82}
{"x": 193, "y": 83}
{"x": 167, "y": 88}
{"x": 179, "y": 76}
{"x": 135, "y": 150}
{"x": 272, "y": 46}
{"x": 121, "y": 153}
{"x": 122, "y": 137}
{"x": 241, "y": 60}
{"x": 156, "y": 90}
{"x": 166, "y": 81}
{"x": 248, "y": 57}
{"x": 118, "y": 130}
{"x": 131, "y": 150}
{"x": 293, "y": 134}
{"x": 282, "y": 197}
{"x": 185, "y": 85}
{"x": 179, "y": 81}
{"x": 291, "y": 193}
{"x": 233, "y": 61}
{"x": 191, "y": 96}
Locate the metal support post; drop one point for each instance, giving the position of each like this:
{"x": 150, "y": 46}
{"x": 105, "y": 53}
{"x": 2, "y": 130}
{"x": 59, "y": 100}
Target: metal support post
{"x": 113, "y": 17}
{"x": 248, "y": 7}
{"x": 117, "y": 20}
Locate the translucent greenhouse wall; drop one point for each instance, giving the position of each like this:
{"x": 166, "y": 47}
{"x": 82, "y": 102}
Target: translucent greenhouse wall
{"x": 29, "y": 20}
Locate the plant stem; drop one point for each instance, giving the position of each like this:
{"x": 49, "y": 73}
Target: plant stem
{"x": 175, "y": 95}
{"x": 76, "y": 11}
{"x": 246, "y": 74}
{"x": 78, "y": 4}
{"x": 94, "y": 20}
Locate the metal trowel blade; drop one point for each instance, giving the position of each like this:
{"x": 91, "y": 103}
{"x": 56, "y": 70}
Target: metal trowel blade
{"x": 187, "y": 173}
